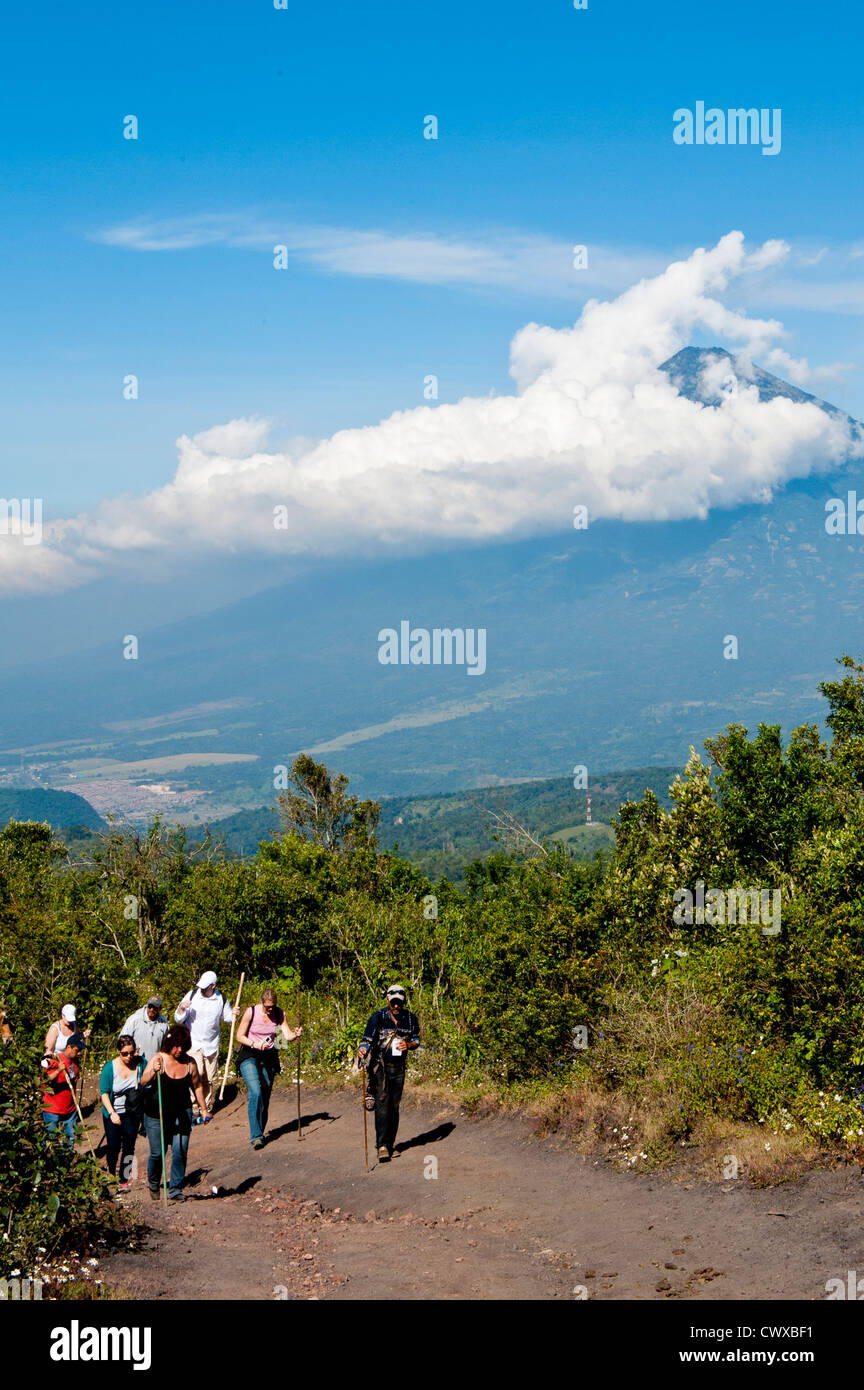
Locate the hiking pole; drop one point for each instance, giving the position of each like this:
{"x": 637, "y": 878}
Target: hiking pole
{"x": 162, "y": 1138}
{"x": 231, "y": 1036}
{"x": 365, "y": 1123}
{"x": 299, "y": 1017}
{"x": 81, "y": 1079}
{"x": 78, "y": 1108}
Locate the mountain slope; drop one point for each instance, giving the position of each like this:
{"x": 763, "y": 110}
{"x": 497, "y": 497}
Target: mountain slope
{"x": 62, "y": 810}
{"x": 441, "y": 834}
{"x": 605, "y": 647}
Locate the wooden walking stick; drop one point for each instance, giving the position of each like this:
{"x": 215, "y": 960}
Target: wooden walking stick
{"x": 78, "y": 1108}
{"x": 365, "y": 1123}
{"x": 81, "y": 1075}
{"x": 162, "y": 1139}
{"x": 299, "y": 1016}
{"x": 231, "y": 1037}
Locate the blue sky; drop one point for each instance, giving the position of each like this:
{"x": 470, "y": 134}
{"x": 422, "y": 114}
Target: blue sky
{"x": 555, "y": 128}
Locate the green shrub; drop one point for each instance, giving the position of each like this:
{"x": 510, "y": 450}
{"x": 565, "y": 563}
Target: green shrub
{"x": 51, "y": 1199}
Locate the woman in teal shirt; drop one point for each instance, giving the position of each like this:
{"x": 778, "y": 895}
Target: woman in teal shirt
{"x": 121, "y": 1107}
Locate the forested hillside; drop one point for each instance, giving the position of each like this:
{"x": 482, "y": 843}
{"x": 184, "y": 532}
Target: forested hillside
{"x": 443, "y": 834}
{"x": 586, "y": 980}
{"x": 63, "y": 810}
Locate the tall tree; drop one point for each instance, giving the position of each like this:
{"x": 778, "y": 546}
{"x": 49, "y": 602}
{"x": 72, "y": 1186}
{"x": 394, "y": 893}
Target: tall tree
{"x": 320, "y": 809}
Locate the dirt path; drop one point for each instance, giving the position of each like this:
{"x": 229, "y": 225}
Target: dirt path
{"x": 506, "y": 1217}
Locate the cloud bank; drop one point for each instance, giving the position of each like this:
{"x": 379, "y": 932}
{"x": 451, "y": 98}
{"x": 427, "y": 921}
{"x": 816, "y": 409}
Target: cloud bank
{"x": 592, "y": 421}
{"x": 521, "y": 263}
{"x": 818, "y": 278}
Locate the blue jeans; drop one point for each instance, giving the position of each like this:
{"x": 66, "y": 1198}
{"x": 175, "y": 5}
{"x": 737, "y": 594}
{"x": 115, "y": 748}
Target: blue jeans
{"x": 258, "y": 1076}
{"x": 177, "y": 1136}
{"x": 65, "y": 1122}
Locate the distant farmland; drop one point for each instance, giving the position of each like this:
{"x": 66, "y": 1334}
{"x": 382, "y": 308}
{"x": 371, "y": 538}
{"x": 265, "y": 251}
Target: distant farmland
{"x": 146, "y": 767}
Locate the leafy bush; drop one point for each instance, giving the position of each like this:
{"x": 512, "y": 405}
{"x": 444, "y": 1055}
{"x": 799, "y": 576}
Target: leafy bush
{"x": 51, "y": 1199}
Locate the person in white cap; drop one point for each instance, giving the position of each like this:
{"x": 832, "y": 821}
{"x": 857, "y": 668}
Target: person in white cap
{"x": 203, "y": 1010}
{"x": 63, "y": 1030}
{"x": 390, "y": 1035}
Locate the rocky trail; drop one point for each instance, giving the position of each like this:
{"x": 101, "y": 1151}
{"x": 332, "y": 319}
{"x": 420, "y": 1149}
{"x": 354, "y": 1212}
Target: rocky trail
{"x": 470, "y": 1209}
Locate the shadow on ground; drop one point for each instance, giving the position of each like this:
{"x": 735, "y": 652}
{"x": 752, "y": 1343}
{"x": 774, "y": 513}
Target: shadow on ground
{"x": 430, "y": 1136}
{"x": 291, "y": 1126}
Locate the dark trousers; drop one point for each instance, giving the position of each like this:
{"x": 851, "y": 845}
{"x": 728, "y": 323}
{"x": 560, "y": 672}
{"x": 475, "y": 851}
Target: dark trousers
{"x": 176, "y": 1143}
{"x": 385, "y": 1084}
{"x": 121, "y": 1139}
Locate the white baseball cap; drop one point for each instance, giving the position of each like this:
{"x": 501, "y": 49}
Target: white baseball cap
{"x": 68, "y": 1012}
{"x": 208, "y": 978}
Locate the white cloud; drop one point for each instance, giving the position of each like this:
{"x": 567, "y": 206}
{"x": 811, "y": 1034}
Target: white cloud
{"x": 815, "y": 259}
{"x": 26, "y": 568}
{"x": 815, "y": 295}
{"x": 592, "y": 421}
{"x": 514, "y": 262}
{"x": 518, "y": 262}
{"x": 799, "y": 371}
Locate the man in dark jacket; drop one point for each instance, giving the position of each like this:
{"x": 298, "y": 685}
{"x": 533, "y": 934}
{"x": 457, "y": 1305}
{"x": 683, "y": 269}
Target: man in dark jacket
{"x": 390, "y": 1035}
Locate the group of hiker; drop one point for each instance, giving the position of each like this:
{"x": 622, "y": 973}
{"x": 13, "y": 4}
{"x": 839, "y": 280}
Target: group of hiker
{"x": 162, "y": 1079}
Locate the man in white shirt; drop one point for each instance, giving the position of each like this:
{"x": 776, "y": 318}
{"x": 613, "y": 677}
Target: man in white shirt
{"x": 204, "y": 1010}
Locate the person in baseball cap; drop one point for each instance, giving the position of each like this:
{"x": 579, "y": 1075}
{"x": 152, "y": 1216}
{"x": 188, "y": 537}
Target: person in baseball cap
{"x": 148, "y": 1026}
{"x": 390, "y": 1035}
{"x": 63, "y": 1031}
{"x": 203, "y": 1010}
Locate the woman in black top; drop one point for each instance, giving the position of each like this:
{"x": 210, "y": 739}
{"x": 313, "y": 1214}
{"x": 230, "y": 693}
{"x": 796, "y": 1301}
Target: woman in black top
{"x": 171, "y": 1075}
